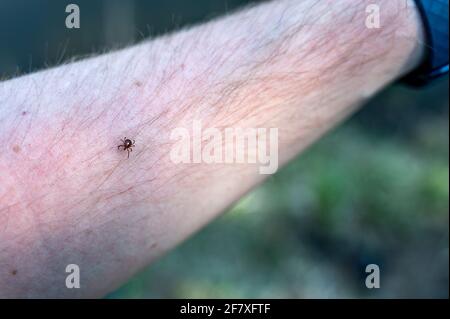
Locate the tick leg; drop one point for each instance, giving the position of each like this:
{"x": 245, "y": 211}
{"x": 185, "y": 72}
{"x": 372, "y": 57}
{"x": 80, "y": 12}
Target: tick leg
{"x": 128, "y": 153}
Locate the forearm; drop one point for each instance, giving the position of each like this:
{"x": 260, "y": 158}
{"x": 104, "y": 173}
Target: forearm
{"x": 67, "y": 195}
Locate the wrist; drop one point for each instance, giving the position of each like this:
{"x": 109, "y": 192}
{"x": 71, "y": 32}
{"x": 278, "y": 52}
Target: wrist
{"x": 434, "y": 64}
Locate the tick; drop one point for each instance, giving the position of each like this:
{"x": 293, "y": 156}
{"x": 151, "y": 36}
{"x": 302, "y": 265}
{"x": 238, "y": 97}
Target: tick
{"x": 127, "y": 145}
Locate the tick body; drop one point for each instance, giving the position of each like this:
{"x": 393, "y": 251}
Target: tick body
{"x": 127, "y": 145}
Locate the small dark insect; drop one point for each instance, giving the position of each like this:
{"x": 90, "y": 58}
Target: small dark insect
{"x": 127, "y": 145}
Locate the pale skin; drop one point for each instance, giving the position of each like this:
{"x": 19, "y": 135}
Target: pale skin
{"x": 69, "y": 196}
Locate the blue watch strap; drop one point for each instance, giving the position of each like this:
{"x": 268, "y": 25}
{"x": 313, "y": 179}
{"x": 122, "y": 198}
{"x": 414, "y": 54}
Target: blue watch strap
{"x": 434, "y": 15}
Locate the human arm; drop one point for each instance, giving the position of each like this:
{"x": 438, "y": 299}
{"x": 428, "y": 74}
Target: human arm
{"x": 67, "y": 195}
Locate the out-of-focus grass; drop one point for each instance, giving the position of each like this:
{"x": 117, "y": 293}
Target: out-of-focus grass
{"x": 310, "y": 230}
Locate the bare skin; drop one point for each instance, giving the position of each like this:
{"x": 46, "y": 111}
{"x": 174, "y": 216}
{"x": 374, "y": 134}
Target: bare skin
{"x": 299, "y": 66}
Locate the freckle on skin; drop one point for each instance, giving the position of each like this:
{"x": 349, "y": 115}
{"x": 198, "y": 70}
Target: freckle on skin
{"x": 14, "y": 272}
{"x": 16, "y": 148}
{"x": 24, "y": 113}
{"x": 138, "y": 83}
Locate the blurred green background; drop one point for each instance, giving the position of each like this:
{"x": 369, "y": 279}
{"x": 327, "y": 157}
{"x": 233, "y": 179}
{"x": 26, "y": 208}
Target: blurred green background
{"x": 375, "y": 190}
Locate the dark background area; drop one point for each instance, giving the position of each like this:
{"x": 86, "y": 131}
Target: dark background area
{"x": 375, "y": 190}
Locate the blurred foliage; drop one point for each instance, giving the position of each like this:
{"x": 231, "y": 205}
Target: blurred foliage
{"x": 373, "y": 191}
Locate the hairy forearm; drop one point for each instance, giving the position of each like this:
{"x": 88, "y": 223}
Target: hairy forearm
{"x": 67, "y": 195}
